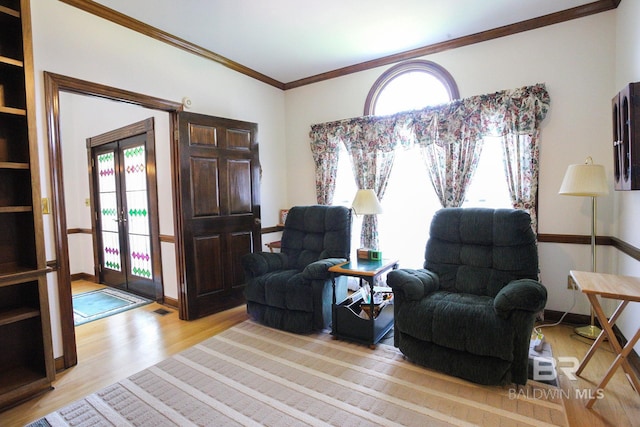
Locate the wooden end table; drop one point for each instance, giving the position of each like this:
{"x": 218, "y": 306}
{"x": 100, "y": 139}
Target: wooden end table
{"x": 612, "y": 286}
{"x": 345, "y": 321}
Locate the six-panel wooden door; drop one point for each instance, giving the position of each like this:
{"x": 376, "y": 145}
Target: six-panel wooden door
{"x": 219, "y": 206}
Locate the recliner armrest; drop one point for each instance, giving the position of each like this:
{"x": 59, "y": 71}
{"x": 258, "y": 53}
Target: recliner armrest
{"x": 523, "y": 294}
{"x": 415, "y": 284}
{"x": 258, "y": 263}
{"x": 319, "y": 270}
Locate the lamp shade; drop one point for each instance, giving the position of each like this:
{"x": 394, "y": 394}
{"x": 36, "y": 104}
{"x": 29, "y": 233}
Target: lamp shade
{"x": 366, "y": 203}
{"x": 584, "y": 180}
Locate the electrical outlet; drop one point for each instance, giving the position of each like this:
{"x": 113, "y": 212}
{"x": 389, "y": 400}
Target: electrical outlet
{"x": 570, "y": 283}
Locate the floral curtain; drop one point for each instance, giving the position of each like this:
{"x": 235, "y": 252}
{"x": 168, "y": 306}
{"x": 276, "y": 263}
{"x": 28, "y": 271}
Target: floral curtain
{"x": 521, "y": 153}
{"x": 450, "y": 137}
{"x": 450, "y": 143}
{"x": 325, "y": 148}
{"x": 371, "y": 144}
{"x": 524, "y": 109}
{"x": 372, "y": 170}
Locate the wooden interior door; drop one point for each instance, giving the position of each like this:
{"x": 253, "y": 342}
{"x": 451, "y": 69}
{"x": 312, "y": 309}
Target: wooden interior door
{"x": 219, "y": 188}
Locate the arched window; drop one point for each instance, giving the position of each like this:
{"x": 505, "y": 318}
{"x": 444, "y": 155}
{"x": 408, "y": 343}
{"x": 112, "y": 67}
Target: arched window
{"x": 404, "y": 225}
{"x": 410, "y": 85}
{"x": 410, "y": 200}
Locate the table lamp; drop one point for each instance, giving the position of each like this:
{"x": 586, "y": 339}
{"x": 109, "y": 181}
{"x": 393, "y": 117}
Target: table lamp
{"x": 587, "y": 180}
{"x": 366, "y": 203}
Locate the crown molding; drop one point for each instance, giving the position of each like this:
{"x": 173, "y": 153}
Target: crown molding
{"x": 138, "y": 26}
{"x": 507, "y": 30}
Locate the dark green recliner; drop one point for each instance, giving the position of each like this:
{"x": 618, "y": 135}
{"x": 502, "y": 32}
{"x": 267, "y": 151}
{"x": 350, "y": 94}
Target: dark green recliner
{"x": 471, "y": 310}
{"x": 292, "y": 290}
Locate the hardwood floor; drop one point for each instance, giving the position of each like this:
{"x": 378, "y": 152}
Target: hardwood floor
{"x": 82, "y": 286}
{"x": 620, "y": 405}
{"x": 116, "y": 347}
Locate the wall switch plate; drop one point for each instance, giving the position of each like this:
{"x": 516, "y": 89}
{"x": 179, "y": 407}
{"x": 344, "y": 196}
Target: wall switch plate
{"x": 46, "y": 209}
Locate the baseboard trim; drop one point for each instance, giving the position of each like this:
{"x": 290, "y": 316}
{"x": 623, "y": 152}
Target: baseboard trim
{"x": 553, "y": 316}
{"x": 84, "y": 276}
{"x": 58, "y": 364}
{"x": 171, "y": 302}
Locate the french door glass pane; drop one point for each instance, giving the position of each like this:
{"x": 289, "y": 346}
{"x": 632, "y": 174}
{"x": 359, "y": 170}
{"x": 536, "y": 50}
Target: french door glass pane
{"x": 109, "y": 210}
{"x": 140, "y": 255}
{"x": 107, "y": 172}
{"x": 138, "y": 211}
{"x": 111, "y": 243}
{"x": 138, "y": 214}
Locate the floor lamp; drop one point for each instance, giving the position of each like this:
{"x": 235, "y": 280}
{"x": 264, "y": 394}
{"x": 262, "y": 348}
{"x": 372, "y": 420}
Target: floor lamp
{"x": 587, "y": 180}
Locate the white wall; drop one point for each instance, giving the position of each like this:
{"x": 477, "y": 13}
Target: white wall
{"x": 576, "y": 60}
{"x": 627, "y": 203}
{"x": 70, "y": 42}
{"x": 583, "y": 63}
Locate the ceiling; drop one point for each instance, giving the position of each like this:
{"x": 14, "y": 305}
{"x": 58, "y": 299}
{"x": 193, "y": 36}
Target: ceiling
{"x": 289, "y": 40}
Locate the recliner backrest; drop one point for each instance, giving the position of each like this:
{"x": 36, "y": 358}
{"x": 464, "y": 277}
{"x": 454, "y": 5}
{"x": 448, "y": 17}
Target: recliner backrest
{"x": 316, "y": 232}
{"x": 480, "y": 250}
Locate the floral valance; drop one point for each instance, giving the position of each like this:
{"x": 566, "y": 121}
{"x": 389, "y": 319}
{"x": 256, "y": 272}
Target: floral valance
{"x": 379, "y": 132}
{"x": 517, "y": 111}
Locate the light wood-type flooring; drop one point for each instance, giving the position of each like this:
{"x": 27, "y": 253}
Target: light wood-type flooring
{"x": 116, "y": 347}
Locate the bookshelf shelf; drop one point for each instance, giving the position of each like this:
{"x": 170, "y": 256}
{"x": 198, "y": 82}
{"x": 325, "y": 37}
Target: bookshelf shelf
{"x": 26, "y": 359}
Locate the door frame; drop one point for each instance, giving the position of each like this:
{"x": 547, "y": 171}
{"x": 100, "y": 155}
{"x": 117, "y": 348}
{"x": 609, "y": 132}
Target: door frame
{"x": 144, "y": 127}
{"x": 54, "y": 84}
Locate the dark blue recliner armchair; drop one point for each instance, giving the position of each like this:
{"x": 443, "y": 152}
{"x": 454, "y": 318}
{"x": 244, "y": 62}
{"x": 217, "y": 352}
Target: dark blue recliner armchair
{"x": 292, "y": 290}
{"x": 471, "y": 310}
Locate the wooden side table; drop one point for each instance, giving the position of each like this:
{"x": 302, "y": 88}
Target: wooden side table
{"x": 612, "y": 286}
{"x": 346, "y": 323}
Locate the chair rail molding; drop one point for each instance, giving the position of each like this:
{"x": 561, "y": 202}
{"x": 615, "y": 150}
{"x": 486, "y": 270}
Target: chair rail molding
{"x": 577, "y": 239}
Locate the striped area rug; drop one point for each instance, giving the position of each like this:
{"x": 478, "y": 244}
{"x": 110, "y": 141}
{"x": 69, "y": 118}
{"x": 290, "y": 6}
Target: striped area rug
{"x": 254, "y": 375}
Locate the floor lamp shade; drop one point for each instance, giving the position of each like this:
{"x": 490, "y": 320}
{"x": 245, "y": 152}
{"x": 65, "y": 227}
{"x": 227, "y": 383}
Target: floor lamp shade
{"x": 587, "y": 180}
